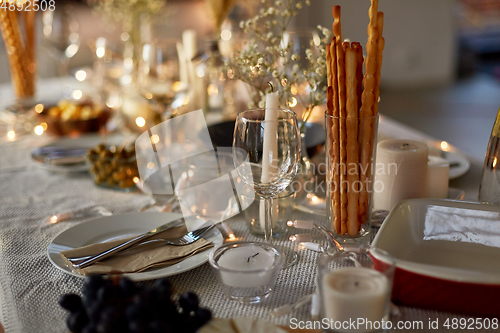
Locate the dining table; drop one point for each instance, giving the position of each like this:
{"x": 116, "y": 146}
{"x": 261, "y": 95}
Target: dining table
{"x": 30, "y": 285}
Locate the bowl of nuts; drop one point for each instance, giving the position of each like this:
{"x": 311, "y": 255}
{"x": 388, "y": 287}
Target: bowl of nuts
{"x": 114, "y": 168}
{"x": 73, "y": 118}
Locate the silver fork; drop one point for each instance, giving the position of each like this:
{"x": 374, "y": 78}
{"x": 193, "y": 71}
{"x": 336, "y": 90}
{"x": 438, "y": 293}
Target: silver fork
{"x": 187, "y": 239}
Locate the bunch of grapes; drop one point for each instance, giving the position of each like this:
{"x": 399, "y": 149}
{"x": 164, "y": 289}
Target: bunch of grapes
{"x": 118, "y": 305}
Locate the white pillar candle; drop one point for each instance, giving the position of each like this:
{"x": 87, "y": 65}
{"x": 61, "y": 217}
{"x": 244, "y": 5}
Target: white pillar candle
{"x": 438, "y": 170}
{"x": 270, "y": 149}
{"x": 355, "y": 292}
{"x": 244, "y": 262}
{"x": 400, "y": 172}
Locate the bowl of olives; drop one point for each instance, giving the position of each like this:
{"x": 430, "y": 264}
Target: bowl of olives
{"x": 114, "y": 167}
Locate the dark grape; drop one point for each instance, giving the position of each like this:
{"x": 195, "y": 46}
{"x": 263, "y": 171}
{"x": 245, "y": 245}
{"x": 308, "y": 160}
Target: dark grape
{"x": 127, "y": 287}
{"x": 93, "y": 283}
{"x": 94, "y": 311}
{"x": 163, "y": 284}
{"x": 107, "y": 293}
{"x": 160, "y": 327}
{"x": 77, "y": 321}
{"x": 71, "y": 302}
{"x": 202, "y": 316}
{"x": 138, "y": 312}
{"x": 189, "y": 302}
{"x": 136, "y": 326}
{"x": 110, "y": 314}
{"x": 90, "y": 328}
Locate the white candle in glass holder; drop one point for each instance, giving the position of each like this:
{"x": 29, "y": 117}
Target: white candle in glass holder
{"x": 245, "y": 263}
{"x": 355, "y": 292}
{"x": 400, "y": 172}
{"x": 437, "y": 177}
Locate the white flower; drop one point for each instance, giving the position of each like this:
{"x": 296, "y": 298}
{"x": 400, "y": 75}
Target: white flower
{"x": 270, "y": 10}
{"x": 275, "y": 73}
{"x": 295, "y": 57}
{"x": 262, "y": 104}
{"x": 308, "y": 2}
{"x": 296, "y": 68}
{"x": 317, "y": 96}
{"x": 319, "y": 71}
{"x": 251, "y": 105}
{"x": 261, "y": 60}
{"x": 298, "y": 5}
{"x": 278, "y": 3}
{"x": 242, "y": 24}
{"x": 326, "y": 32}
{"x": 286, "y": 13}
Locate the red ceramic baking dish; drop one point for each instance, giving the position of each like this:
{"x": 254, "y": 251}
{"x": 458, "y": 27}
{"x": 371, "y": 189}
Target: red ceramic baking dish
{"x": 448, "y": 255}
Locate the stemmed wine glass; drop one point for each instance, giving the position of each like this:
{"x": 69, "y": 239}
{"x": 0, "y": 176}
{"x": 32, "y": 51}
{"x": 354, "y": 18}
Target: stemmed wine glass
{"x": 267, "y": 173}
{"x": 162, "y": 76}
{"x": 61, "y": 36}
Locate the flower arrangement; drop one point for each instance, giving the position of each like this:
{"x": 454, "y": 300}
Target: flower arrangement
{"x": 128, "y": 13}
{"x": 271, "y": 53}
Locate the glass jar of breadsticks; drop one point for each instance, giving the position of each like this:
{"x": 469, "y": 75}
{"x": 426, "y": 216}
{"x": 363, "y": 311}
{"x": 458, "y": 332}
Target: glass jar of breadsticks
{"x": 350, "y": 159}
{"x": 351, "y": 126}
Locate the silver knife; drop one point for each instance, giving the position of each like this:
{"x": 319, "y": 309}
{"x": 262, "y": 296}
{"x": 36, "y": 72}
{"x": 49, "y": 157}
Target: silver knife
{"x": 129, "y": 243}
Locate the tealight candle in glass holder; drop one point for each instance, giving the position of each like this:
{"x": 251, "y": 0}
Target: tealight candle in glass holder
{"x": 247, "y": 271}
{"x": 355, "y": 288}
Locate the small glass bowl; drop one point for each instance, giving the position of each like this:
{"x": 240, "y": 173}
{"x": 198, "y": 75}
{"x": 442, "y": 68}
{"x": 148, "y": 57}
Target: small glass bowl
{"x": 117, "y": 171}
{"x": 247, "y": 271}
{"x": 282, "y": 213}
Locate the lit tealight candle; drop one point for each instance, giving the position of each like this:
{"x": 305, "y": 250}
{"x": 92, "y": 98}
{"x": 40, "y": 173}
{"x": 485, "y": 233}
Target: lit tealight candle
{"x": 355, "y": 292}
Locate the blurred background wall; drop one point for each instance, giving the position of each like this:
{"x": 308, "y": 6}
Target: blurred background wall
{"x": 428, "y": 42}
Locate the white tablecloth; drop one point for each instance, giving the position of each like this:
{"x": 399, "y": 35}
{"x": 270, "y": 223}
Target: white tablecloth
{"x": 30, "y": 285}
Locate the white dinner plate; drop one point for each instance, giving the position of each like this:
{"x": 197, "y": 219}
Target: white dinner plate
{"x": 114, "y": 227}
{"x": 78, "y": 148}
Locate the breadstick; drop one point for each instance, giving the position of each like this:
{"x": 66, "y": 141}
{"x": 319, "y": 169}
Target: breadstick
{"x": 329, "y": 77}
{"x": 335, "y": 144}
{"x": 351, "y": 71}
{"x": 367, "y": 102}
{"x": 380, "y": 50}
{"x": 359, "y": 69}
{"x": 342, "y": 134}
{"x": 15, "y": 50}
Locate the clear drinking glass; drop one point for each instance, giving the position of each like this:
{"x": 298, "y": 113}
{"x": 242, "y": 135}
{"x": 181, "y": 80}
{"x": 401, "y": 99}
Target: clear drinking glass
{"x": 161, "y": 78}
{"x": 350, "y": 159}
{"x": 267, "y": 175}
{"x": 61, "y": 37}
{"x": 489, "y": 188}
{"x": 355, "y": 285}
{"x": 282, "y": 213}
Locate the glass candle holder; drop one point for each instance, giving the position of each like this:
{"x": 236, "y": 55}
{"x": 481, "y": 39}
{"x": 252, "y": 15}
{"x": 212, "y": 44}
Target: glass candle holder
{"x": 247, "y": 271}
{"x": 281, "y": 210}
{"x": 350, "y": 159}
{"x": 355, "y": 287}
